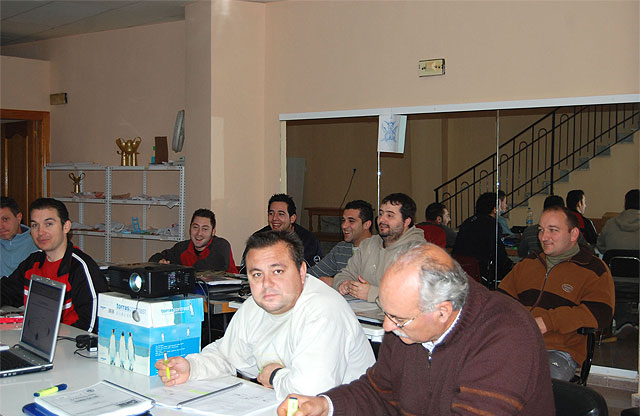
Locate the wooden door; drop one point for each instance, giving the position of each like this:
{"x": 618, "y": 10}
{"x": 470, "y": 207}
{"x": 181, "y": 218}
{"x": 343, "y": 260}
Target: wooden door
{"x": 25, "y": 151}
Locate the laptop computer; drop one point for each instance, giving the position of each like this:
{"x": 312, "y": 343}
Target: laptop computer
{"x": 40, "y": 327}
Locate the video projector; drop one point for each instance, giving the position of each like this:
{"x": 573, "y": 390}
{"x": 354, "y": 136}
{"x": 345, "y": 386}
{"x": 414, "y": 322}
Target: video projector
{"x": 151, "y": 280}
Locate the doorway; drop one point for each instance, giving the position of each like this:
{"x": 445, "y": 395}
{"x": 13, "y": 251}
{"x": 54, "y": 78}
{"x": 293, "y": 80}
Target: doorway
{"x": 24, "y": 151}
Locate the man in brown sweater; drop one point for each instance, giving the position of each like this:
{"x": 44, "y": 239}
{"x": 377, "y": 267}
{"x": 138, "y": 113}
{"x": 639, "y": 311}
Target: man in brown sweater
{"x": 452, "y": 346}
{"x": 565, "y": 287}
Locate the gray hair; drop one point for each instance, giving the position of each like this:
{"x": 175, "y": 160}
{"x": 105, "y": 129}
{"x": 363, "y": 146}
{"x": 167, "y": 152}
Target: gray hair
{"x": 440, "y": 281}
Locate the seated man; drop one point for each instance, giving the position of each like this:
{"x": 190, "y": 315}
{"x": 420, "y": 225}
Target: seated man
{"x": 565, "y": 288}
{"x": 529, "y": 241}
{"x": 282, "y": 217}
{"x": 449, "y": 349}
{"x": 502, "y": 208}
{"x": 433, "y": 233}
{"x": 623, "y": 231}
{"x": 294, "y": 334}
{"x": 437, "y": 214}
{"x": 59, "y": 260}
{"x": 15, "y": 240}
{"x": 357, "y": 219}
{"x": 577, "y": 203}
{"x": 364, "y": 270}
{"x": 477, "y": 239}
{"x": 204, "y": 251}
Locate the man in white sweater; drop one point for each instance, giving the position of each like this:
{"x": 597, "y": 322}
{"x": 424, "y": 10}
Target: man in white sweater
{"x": 295, "y": 334}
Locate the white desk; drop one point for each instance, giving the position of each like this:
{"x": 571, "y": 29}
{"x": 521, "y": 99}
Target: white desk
{"x": 75, "y": 371}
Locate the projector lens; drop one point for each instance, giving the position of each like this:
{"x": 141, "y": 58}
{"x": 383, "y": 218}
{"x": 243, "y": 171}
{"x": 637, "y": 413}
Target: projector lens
{"x": 135, "y": 282}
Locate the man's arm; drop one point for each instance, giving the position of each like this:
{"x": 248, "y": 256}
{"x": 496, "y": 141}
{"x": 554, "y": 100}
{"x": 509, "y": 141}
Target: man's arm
{"x": 171, "y": 254}
{"x": 590, "y": 233}
{"x": 86, "y": 281}
{"x": 351, "y": 272}
{"x": 12, "y": 286}
{"x": 328, "y": 266}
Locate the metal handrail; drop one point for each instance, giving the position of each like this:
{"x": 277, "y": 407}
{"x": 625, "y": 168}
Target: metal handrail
{"x": 532, "y": 161}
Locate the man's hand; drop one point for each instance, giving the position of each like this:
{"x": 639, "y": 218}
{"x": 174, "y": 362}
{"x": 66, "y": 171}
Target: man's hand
{"x": 344, "y": 287}
{"x": 164, "y": 261}
{"x": 179, "y": 370}
{"x": 307, "y": 406}
{"x": 265, "y": 374}
{"x": 541, "y": 325}
{"x": 360, "y": 289}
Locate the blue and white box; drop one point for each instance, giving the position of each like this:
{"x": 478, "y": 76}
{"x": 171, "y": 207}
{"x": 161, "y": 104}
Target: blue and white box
{"x": 133, "y": 334}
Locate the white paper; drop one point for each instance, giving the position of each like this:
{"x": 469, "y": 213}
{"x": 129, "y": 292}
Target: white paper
{"x": 244, "y": 400}
{"x": 391, "y": 133}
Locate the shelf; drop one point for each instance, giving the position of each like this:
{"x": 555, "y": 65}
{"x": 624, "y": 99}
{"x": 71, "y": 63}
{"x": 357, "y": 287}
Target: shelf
{"x": 159, "y": 202}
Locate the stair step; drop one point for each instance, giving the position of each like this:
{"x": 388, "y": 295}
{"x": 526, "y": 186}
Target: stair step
{"x": 603, "y": 150}
{"x": 582, "y": 160}
{"x": 562, "y": 176}
{"x": 629, "y": 137}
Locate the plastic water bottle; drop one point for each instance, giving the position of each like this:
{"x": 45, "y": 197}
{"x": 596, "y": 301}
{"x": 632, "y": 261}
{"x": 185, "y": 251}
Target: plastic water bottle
{"x": 529, "y": 217}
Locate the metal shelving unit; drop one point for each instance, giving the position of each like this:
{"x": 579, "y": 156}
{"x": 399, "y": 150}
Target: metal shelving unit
{"x": 108, "y": 202}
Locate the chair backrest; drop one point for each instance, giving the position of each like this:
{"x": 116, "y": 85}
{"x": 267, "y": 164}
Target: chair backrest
{"x": 470, "y": 265}
{"x": 623, "y": 263}
{"x": 575, "y": 400}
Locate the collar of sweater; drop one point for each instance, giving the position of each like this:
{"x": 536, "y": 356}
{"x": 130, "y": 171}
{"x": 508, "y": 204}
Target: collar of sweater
{"x": 553, "y": 260}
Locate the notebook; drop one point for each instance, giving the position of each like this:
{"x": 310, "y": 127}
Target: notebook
{"x": 40, "y": 328}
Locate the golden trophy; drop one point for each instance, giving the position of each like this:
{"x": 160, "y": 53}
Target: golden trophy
{"x": 128, "y": 151}
{"x": 76, "y": 181}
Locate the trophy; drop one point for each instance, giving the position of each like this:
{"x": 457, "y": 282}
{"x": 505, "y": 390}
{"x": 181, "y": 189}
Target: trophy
{"x": 76, "y": 181}
{"x": 128, "y": 151}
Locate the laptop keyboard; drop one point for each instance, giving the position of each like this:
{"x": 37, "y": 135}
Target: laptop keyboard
{"x": 9, "y": 361}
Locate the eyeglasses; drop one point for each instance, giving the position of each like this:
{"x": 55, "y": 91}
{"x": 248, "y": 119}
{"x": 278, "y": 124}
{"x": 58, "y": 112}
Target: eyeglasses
{"x": 398, "y": 324}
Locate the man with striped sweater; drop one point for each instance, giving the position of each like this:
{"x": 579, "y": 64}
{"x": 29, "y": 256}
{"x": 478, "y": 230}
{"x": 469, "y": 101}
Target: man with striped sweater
{"x": 57, "y": 260}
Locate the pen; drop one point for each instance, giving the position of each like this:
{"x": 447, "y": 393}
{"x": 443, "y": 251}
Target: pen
{"x": 166, "y": 362}
{"x": 222, "y": 390}
{"x": 50, "y": 390}
{"x": 292, "y": 406}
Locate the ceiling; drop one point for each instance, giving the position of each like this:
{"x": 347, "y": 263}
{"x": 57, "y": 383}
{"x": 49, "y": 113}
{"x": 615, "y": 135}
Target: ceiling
{"x": 31, "y": 20}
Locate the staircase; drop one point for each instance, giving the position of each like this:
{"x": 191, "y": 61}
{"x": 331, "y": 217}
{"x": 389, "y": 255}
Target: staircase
{"x": 541, "y": 156}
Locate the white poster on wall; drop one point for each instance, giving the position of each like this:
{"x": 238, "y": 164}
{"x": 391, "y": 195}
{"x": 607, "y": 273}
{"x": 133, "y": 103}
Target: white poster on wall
{"x": 391, "y": 132}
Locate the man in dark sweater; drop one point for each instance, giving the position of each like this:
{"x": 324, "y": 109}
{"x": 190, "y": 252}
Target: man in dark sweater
{"x": 452, "y": 346}
{"x": 282, "y": 217}
{"x": 204, "y": 251}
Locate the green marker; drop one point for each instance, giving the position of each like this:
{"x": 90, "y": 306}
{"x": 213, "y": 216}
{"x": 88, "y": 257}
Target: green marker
{"x": 292, "y": 406}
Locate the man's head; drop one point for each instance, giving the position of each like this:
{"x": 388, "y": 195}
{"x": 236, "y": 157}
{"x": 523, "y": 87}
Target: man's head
{"x": 282, "y": 212}
{"x": 502, "y": 202}
{"x": 10, "y": 218}
{"x": 438, "y": 213}
{"x": 553, "y": 201}
{"x": 50, "y": 225}
{"x": 558, "y": 230}
{"x": 395, "y": 216}
{"x": 632, "y": 199}
{"x": 576, "y": 201}
{"x": 276, "y": 270}
{"x": 357, "y": 219}
{"x": 202, "y": 228}
{"x": 486, "y": 204}
{"x": 421, "y": 293}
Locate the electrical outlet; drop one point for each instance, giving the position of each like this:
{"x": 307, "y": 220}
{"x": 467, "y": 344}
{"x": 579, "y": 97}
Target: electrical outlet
{"x": 429, "y": 67}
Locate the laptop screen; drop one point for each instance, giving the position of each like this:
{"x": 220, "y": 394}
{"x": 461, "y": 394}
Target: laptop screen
{"x": 42, "y": 316}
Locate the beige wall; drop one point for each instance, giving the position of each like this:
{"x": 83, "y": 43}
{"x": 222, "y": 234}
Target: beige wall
{"x": 25, "y": 84}
{"x": 353, "y": 55}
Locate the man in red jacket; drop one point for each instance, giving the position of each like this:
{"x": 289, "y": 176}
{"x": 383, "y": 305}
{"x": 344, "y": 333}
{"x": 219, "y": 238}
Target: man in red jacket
{"x": 449, "y": 349}
{"x": 57, "y": 260}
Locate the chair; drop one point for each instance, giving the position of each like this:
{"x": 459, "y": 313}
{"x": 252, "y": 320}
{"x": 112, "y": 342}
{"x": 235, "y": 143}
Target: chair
{"x": 625, "y": 269}
{"x": 470, "y": 265}
{"x": 590, "y": 333}
{"x": 575, "y": 400}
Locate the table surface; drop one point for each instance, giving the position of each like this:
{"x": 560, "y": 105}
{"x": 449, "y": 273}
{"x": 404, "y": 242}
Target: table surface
{"x": 75, "y": 371}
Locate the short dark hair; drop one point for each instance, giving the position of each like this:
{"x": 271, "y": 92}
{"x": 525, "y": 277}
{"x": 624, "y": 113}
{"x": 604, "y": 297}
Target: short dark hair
{"x": 271, "y": 238}
{"x": 365, "y": 208}
{"x": 632, "y": 199}
{"x": 45, "y": 203}
{"x": 7, "y": 202}
{"x": 553, "y": 201}
{"x": 291, "y": 206}
{"x": 204, "y": 213}
{"x": 407, "y": 205}
{"x": 434, "y": 210}
{"x": 572, "y": 219}
{"x": 573, "y": 198}
{"x": 486, "y": 203}
{"x": 501, "y": 195}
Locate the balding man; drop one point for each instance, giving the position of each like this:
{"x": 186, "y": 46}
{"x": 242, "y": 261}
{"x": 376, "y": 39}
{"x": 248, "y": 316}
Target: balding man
{"x": 449, "y": 348}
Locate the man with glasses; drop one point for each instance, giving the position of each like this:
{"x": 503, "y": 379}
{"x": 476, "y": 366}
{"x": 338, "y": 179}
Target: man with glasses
{"x": 449, "y": 348}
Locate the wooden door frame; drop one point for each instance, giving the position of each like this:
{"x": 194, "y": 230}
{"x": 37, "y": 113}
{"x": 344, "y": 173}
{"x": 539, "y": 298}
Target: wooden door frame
{"x": 42, "y": 141}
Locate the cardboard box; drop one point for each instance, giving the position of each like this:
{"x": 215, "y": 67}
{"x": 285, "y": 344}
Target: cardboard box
{"x": 134, "y": 334}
